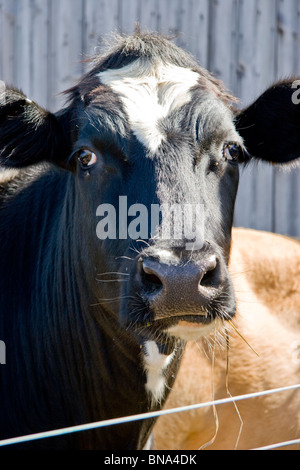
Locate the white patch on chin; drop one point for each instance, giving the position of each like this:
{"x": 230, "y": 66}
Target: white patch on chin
{"x": 149, "y": 92}
{"x": 155, "y": 365}
{"x": 191, "y": 333}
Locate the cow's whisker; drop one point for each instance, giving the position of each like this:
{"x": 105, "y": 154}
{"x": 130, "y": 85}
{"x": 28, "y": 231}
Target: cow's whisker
{"x": 112, "y": 280}
{"x": 113, "y": 299}
{"x": 113, "y": 272}
{"x": 231, "y": 323}
{"x": 225, "y": 316}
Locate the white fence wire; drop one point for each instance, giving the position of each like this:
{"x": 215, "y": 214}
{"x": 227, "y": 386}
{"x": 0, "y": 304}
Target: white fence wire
{"x": 155, "y": 414}
{"x": 279, "y": 445}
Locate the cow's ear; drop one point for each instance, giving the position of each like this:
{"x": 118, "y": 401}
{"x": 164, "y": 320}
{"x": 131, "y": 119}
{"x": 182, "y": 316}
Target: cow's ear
{"x": 270, "y": 126}
{"x": 29, "y": 134}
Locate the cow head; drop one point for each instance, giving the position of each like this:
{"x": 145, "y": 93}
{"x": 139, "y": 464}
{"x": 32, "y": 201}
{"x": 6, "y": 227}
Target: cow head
{"x": 153, "y": 144}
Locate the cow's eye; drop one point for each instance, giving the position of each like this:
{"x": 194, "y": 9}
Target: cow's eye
{"x": 232, "y": 151}
{"x": 86, "y": 158}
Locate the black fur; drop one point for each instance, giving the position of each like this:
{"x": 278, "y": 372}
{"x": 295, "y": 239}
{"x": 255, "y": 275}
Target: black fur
{"x": 29, "y": 134}
{"x": 270, "y": 127}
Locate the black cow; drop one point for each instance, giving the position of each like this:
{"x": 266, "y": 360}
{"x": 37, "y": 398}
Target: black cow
{"x": 94, "y": 311}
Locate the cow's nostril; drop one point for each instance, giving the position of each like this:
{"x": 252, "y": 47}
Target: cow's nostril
{"x": 211, "y": 276}
{"x": 207, "y": 279}
{"x": 151, "y": 280}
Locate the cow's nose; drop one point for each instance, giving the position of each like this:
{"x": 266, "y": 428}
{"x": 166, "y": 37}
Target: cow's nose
{"x": 175, "y": 289}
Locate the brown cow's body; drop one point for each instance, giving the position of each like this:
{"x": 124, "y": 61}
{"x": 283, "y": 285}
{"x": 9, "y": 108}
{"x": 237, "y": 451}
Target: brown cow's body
{"x": 266, "y": 273}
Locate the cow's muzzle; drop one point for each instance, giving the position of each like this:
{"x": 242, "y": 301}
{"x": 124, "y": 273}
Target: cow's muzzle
{"x": 170, "y": 289}
{"x": 179, "y": 290}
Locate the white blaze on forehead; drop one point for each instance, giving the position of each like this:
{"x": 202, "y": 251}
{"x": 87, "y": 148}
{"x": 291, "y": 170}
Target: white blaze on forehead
{"x": 149, "y": 93}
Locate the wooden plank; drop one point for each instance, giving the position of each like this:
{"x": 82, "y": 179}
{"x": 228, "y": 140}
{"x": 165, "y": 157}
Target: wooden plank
{"x": 39, "y": 51}
{"x": 66, "y": 43}
{"x": 256, "y": 65}
{"x": 128, "y": 15}
{"x": 22, "y": 47}
{"x": 246, "y": 56}
{"x": 195, "y": 28}
{"x": 169, "y": 17}
{"x": 222, "y": 31}
{"x": 256, "y": 49}
{"x": 7, "y": 41}
{"x": 149, "y": 15}
{"x": 186, "y": 20}
{"x": 101, "y": 18}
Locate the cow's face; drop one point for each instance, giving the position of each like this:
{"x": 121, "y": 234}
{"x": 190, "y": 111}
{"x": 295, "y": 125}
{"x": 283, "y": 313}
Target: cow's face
{"x": 157, "y": 155}
{"x": 154, "y": 148}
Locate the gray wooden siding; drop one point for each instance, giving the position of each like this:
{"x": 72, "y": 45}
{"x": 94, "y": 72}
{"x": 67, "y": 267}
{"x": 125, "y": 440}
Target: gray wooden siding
{"x": 246, "y": 43}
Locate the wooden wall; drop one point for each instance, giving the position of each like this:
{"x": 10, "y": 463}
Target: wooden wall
{"x": 246, "y": 43}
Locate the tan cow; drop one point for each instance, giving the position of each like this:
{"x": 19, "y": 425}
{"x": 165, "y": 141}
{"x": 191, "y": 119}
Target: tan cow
{"x": 265, "y": 269}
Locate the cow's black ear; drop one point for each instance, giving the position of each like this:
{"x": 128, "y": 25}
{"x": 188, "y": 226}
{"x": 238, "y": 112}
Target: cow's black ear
{"x": 29, "y": 134}
{"x": 270, "y": 126}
